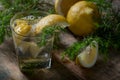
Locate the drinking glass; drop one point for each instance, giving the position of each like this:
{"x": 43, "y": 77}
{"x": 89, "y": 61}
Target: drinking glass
{"x": 33, "y": 51}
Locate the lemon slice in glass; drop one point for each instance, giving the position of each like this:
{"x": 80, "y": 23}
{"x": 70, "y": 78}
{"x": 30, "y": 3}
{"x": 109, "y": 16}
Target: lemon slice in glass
{"x": 22, "y": 29}
{"x": 87, "y": 58}
{"x": 29, "y": 47}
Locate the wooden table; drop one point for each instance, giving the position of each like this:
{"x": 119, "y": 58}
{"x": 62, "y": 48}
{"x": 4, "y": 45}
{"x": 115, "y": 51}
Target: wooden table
{"x": 109, "y": 70}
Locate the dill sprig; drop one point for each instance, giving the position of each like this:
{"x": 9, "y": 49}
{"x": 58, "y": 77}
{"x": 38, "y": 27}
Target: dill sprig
{"x": 2, "y": 32}
{"x": 11, "y": 7}
{"x": 48, "y": 32}
{"x": 74, "y": 50}
{"x": 77, "y": 47}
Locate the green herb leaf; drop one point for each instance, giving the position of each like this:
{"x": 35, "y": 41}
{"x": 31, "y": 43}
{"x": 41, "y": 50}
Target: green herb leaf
{"x": 11, "y": 7}
{"x": 49, "y": 31}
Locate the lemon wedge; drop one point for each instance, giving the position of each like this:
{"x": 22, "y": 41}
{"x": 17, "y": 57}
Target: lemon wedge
{"x": 24, "y": 47}
{"x": 50, "y": 20}
{"x": 87, "y": 58}
{"x": 29, "y": 48}
{"x": 21, "y": 29}
{"x": 62, "y": 6}
{"x": 83, "y": 17}
{"x": 34, "y": 49}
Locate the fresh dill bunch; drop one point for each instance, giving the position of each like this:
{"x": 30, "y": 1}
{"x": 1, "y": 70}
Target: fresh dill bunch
{"x": 109, "y": 27}
{"x": 77, "y": 47}
{"x": 2, "y": 32}
{"x": 11, "y": 7}
{"x": 51, "y": 11}
{"x": 19, "y": 3}
{"x": 48, "y": 32}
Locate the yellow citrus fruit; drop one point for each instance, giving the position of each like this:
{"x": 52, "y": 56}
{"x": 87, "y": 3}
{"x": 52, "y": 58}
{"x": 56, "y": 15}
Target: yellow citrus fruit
{"x": 21, "y": 27}
{"x": 24, "y": 47}
{"x": 34, "y": 49}
{"x": 50, "y": 20}
{"x": 30, "y": 47}
{"x": 83, "y": 17}
{"x": 87, "y": 58}
{"x": 62, "y": 6}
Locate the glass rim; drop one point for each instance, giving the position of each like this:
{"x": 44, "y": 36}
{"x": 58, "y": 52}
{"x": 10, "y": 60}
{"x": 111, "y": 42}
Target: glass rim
{"x": 25, "y": 12}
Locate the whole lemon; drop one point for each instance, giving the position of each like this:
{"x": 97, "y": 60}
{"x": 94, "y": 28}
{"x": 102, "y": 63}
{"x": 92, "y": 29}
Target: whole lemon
{"x": 83, "y": 18}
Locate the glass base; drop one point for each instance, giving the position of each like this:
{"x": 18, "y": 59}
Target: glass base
{"x": 34, "y": 64}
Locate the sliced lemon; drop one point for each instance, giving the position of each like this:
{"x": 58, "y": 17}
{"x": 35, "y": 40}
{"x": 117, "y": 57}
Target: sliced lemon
{"x": 62, "y": 6}
{"x": 21, "y": 28}
{"x": 49, "y": 21}
{"x": 87, "y": 58}
{"x": 34, "y": 49}
{"x": 24, "y": 47}
{"x": 30, "y": 48}
{"x": 83, "y": 17}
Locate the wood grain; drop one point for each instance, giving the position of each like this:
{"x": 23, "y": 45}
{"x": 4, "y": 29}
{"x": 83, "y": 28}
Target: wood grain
{"x": 56, "y": 72}
{"x": 109, "y": 70}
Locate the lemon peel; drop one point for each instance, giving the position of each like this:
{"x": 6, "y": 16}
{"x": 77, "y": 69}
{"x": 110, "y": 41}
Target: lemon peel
{"x": 62, "y": 6}
{"x": 49, "y": 21}
{"x": 88, "y": 57}
{"x": 21, "y": 28}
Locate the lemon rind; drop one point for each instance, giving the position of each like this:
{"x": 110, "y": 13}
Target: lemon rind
{"x": 94, "y": 60}
{"x": 57, "y": 8}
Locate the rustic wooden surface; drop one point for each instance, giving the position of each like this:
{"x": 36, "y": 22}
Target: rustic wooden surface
{"x": 109, "y": 70}
{"x": 103, "y": 70}
{"x": 57, "y": 71}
